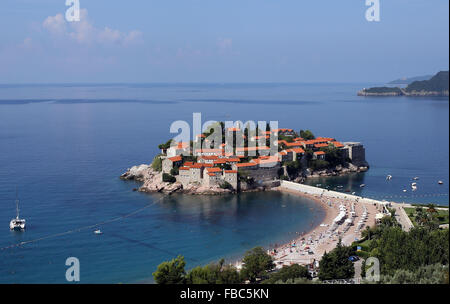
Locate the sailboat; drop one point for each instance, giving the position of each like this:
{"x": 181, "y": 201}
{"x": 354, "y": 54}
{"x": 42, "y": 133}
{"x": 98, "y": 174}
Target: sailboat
{"x": 17, "y": 223}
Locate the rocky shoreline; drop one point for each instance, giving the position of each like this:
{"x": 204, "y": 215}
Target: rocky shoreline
{"x": 405, "y": 93}
{"x": 152, "y": 180}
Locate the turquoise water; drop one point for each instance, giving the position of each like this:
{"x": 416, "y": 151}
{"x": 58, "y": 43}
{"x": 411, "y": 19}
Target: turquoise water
{"x": 65, "y": 146}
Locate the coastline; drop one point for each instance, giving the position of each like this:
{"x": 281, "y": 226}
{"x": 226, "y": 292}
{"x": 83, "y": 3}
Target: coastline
{"x": 309, "y": 246}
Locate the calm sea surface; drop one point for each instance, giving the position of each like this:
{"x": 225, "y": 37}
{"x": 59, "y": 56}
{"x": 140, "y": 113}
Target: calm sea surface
{"x": 65, "y": 146}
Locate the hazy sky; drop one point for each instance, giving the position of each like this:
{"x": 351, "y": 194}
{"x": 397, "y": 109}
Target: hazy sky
{"x": 221, "y": 41}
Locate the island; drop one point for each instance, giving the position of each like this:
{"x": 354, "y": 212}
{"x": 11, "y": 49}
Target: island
{"x": 261, "y": 160}
{"x": 435, "y": 86}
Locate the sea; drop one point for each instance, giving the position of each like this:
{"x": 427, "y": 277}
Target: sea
{"x": 64, "y": 146}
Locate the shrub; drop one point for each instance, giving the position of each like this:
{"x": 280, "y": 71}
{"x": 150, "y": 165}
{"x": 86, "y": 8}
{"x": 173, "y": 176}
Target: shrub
{"x": 157, "y": 163}
{"x": 167, "y": 178}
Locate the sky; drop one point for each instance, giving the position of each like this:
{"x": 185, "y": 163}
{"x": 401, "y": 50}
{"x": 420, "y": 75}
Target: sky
{"x": 221, "y": 41}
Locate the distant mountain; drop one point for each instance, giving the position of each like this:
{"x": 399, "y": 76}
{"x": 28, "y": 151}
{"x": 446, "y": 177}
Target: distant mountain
{"x": 405, "y": 80}
{"x": 435, "y": 86}
{"x": 438, "y": 83}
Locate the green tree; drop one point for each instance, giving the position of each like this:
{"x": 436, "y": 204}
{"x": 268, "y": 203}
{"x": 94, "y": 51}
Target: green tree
{"x": 157, "y": 163}
{"x": 336, "y": 265}
{"x": 167, "y": 178}
{"x": 306, "y": 134}
{"x": 256, "y": 264}
{"x": 166, "y": 145}
{"x": 174, "y": 171}
{"x": 171, "y": 272}
{"x": 288, "y": 273}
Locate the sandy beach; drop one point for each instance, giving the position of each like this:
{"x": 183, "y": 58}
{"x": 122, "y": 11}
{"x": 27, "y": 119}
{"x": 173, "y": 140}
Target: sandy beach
{"x": 310, "y": 246}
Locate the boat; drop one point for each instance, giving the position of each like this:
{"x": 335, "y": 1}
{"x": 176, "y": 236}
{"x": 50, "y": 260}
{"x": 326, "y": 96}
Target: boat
{"x": 17, "y": 223}
{"x": 440, "y": 182}
{"x": 98, "y": 231}
{"x": 362, "y": 185}
{"x": 389, "y": 177}
{"x": 416, "y": 178}
{"x": 404, "y": 190}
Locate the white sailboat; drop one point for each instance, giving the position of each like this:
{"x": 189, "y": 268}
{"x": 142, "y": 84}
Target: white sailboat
{"x": 17, "y": 223}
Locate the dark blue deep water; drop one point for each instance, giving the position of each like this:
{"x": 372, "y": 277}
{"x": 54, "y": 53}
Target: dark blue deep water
{"x": 65, "y": 146}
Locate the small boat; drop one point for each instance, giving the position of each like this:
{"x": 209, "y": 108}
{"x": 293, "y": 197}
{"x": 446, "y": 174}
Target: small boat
{"x": 404, "y": 190}
{"x": 440, "y": 182}
{"x": 389, "y": 177}
{"x": 362, "y": 185}
{"x": 416, "y": 178}
{"x": 17, "y": 223}
{"x": 413, "y": 185}
{"x": 98, "y": 231}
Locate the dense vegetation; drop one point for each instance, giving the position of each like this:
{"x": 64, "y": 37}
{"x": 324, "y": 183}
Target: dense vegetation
{"x": 336, "y": 265}
{"x": 383, "y": 90}
{"x": 437, "y": 83}
{"x": 157, "y": 163}
{"x": 256, "y": 265}
{"x": 398, "y": 250}
{"x": 167, "y": 178}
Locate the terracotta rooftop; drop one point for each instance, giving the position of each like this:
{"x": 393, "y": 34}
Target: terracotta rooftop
{"x": 215, "y": 169}
{"x": 175, "y": 158}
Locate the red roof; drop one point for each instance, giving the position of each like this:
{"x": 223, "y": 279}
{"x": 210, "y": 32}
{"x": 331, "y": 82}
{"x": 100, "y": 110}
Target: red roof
{"x": 188, "y": 164}
{"x": 175, "y": 158}
{"x": 295, "y": 144}
{"x": 319, "y": 153}
{"x": 215, "y": 169}
{"x": 184, "y": 168}
{"x": 231, "y": 171}
{"x": 211, "y": 174}
{"x": 181, "y": 145}
{"x": 321, "y": 145}
{"x": 298, "y": 150}
{"x": 337, "y": 144}
{"x": 245, "y": 165}
{"x": 220, "y": 161}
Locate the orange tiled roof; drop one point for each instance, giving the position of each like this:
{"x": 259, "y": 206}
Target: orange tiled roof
{"x": 298, "y": 150}
{"x": 215, "y": 169}
{"x": 319, "y": 153}
{"x": 181, "y": 145}
{"x": 337, "y": 144}
{"x": 211, "y": 174}
{"x": 188, "y": 164}
{"x": 295, "y": 144}
{"x": 231, "y": 171}
{"x": 220, "y": 161}
{"x": 197, "y": 166}
{"x": 175, "y": 158}
{"x": 320, "y": 145}
{"x": 184, "y": 168}
{"x": 245, "y": 165}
